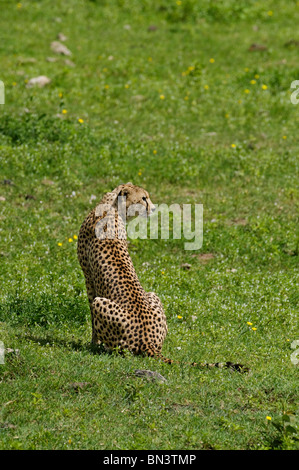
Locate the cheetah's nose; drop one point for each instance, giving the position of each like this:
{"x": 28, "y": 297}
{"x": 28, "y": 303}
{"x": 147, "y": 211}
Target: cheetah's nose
{"x": 153, "y": 209}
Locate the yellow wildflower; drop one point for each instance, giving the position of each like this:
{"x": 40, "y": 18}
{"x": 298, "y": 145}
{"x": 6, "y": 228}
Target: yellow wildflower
{"x": 59, "y": 244}
{"x": 268, "y": 418}
{"x": 264, "y": 87}
{"x": 80, "y": 120}
{"x": 254, "y": 328}
{"x": 253, "y": 82}
{"x": 247, "y": 91}
{"x": 206, "y": 87}
{"x": 64, "y": 111}
{"x": 180, "y": 316}
{"x": 212, "y": 61}
{"x": 233, "y": 146}
{"x": 284, "y": 137}
{"x": 162, "y": 97}
{"x": 127, "y": 85}
{"x": 270, "y": 13}
{"x": 249, "y": 323}
{"x": 70, "y": 240}
{"x": 256, "y": 76}
{"x": 75, "y": 237}
{"x": 154, "y": 152}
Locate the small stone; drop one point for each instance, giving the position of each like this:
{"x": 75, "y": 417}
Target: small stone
{"x": 40, "y": 81}
{"x": 61, "y": 37}
{"x": 186, "y": 266}
{"x": 69, "y": 63}
{"x": 76, "y": 386}
{"x": 150, "y": 375}
{"x": 59, "y": 48}
{"x": 47, "y": 182}
{"x": 257, "y": 47}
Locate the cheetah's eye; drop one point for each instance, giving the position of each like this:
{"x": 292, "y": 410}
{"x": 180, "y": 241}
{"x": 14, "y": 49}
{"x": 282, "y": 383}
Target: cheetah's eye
{"x": 144, "y": 198}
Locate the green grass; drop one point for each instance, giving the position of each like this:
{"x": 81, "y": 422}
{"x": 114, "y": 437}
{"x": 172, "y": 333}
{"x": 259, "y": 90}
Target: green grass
{"x": 158, "y": 112}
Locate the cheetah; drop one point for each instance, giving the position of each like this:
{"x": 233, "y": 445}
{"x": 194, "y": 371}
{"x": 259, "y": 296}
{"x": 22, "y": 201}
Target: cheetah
{"x": 123, "y": 315}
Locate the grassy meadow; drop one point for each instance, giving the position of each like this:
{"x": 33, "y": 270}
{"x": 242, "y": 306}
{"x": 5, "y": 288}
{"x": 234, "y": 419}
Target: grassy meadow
{"x": 192, "y": 101}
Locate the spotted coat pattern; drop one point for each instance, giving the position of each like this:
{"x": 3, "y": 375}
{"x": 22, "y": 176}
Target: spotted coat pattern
{"x": 123, "y": 314}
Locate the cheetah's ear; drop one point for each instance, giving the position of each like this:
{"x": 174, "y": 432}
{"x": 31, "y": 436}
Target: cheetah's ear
{"x": 123, "y": 192}
{"x": 115, "y": 193}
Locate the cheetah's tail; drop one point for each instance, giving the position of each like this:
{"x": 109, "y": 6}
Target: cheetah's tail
{"x": 152, "y": 352}
{"x": 223, "y": 365}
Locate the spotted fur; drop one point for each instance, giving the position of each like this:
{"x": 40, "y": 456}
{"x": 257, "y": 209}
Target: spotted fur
{"x": 123, "y": 314}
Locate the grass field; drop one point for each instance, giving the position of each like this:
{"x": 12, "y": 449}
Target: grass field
{"x": 172, "y": 96}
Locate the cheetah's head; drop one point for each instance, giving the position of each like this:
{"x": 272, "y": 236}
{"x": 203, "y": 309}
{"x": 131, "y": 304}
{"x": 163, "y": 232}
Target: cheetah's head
{"x": 134, "y": 200}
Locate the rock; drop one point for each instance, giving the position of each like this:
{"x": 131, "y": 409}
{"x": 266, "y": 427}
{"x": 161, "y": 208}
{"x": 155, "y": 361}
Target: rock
{"x": 59, "y": 48}
{"x": 69, "y": 63}
{"x": 150, "y": 375}
{"x": 204, "y": 257}
{"x": 76, "y": 386}
{"x": 7, "y": 426}
{"x": 26, "y": 60}
{"x": 61, "y": 37}
{"x": 138, "y": 98}
{"x": 47, "y": 182}
{"x": 12, "y": 352}
{"x": 239, "y": 221}
{"x": 40, "y": 81}
{"x": 9, "y": 182}
{"x": 186, "y": 266}
{"x": 257, "y": 47}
